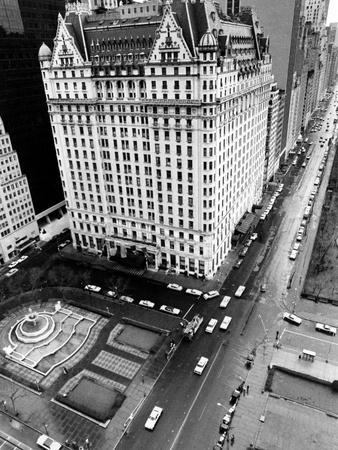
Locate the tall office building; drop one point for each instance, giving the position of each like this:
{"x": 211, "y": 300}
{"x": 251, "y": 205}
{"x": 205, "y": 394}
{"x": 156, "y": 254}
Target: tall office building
{"x": 283, "y": 21}
{"x": 159, "y": 120}
{"x": 23, "y": 26}
{"x": 18, "y": 227}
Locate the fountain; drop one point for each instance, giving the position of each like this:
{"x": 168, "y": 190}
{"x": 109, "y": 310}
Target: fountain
{"x": 34, "y": 327}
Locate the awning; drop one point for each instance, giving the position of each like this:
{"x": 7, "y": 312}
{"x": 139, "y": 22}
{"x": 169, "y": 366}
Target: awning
{"x": 246, "y": 223}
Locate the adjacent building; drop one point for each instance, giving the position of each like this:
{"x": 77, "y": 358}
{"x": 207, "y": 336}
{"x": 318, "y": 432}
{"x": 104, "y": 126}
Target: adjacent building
{"x": 18, "y": 227}
{"x": 159, "y": 116}
{"x": 23, "y": 26}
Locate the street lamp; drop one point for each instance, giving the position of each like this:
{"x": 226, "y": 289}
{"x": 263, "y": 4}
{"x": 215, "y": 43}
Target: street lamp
{"x": 46, "y": 428}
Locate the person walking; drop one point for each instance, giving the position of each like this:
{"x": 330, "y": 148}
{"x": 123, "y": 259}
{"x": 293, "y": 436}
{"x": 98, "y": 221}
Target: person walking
{"x": 247, "y": 390}
{"x": 232, "y": 439}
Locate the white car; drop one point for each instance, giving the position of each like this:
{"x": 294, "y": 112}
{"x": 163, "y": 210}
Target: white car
{"x": 170, "y": 310}
{"x": 13, "y": 264}
{"x": 200, "y": 366}
{"x": 174, "y": 287}
{"x": 254, "y": 236}
{"x": 92, "y": 287}
{"x": 211, "y": 325}
{"x": 292, "y": 318}
{"x": 210, "y": 294}
{"x": 111, "y": 294}
{"x": 225, "y": 323}
{"x": 126, "y": 299}
{"x": 296, "y": 246}
{"x": 153, "y": 418}
{"x": 326, "y": 329}
{"x": 146, "y": 303}
{"x": 293, "y": 255}
{"x": 11, "y": 272}
{"x": 48, "y": 443}
{"x": 194, "y": 292}
{"x": 22, "y": 258}
{"x": 225, "y": 301}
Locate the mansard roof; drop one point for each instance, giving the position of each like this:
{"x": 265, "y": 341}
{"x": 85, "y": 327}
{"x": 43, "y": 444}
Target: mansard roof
{"x": 110, "y": 34}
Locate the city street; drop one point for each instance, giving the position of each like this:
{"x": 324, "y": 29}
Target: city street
{"x": 191, "y": 416}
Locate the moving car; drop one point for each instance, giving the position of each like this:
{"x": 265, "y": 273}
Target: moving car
{"x": 127, "y": 299}
{"x": 92, "y": 287}
{"x": 174, "y": 287}
{"x": 194, "y": 292}
{"x": 11, "y": 272}
{"x": 146, "y": 303}
{"x": 64, "y": 244}
{"x": 211, "y": 325}
{"x": 224, "y": 303}
{"x": 326, "y": 329}
{"x": 48, "y": 443}
{"x": 292, "y": 318}
{"x": 225, "y": 323}
{"x": 200, "y": 366}
{"x": 170, "y": 310}
{"x": 153, "y": 418}
{"x": 210, "y": 294}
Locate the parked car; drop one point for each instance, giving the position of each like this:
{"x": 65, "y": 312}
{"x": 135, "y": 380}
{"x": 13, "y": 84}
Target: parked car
{"x": 146, "y": 303}
{"x": 210, "y": 294}
{"x": 238, "y": 264}
{"x": 11, "y": 272}
{"x": 175, "y": 287}
{"x": 111, "y": 294}
{"x": 292, "y": 318}
{"x": 92, "y": 287}
{"x": 227, "y": 419}
{"x": 48, "y": 443}
{"x": 254, "y": 236}
{"x": 248, "y": 243}
{"x": 293, "y": 255}
{"x": 170, "y": 310}
{"x": 200, "y": 366}
{"x": 326, "y": 329}
{"x": 195, "y": 292}
{"x": 263, "y": 287}
{"x": 244, "y": 252}
{"x": 211, "y": 325}
{"x": 126, "y": 299}
{"x": 153, "y": 418}
{"x": 13, "y": 264}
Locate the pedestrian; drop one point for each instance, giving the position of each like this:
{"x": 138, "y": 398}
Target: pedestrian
{"x": 247, "y": 390}
{"x": 232, "y": 439}
{"x": 244, "y": 392}
{"x": 277, "y": 335}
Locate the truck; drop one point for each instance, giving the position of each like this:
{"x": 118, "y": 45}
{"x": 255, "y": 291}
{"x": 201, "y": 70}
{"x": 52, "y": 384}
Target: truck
{"x": 192, "y": 327}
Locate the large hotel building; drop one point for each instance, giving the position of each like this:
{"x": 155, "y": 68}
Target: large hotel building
{"x": 159, "y": 115}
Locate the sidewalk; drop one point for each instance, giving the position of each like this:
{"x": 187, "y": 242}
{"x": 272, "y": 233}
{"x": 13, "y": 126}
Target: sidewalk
{"x": 246, "y": 422}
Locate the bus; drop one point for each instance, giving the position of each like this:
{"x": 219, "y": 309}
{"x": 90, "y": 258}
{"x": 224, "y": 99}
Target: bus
{"x": 239, "y": 291}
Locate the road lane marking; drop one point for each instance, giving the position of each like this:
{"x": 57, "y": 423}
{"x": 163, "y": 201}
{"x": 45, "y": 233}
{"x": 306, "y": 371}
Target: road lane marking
{"x": 202, "y": 413}
{"x": 188, "y": 311}
{"x": 195, "y": 399}
{"x": 311, "y": 337}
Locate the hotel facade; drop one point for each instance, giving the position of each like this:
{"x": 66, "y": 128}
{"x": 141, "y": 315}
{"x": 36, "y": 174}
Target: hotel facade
{"x": 159, "y": 115}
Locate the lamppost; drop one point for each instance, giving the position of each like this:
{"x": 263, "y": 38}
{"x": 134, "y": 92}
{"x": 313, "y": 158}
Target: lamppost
{"x": 45, "y": 425}
{"x": 222, "y": 406}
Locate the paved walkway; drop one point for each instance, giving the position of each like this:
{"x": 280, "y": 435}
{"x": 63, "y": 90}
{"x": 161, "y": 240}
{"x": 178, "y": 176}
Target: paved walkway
{"x": 252, "y": 406}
